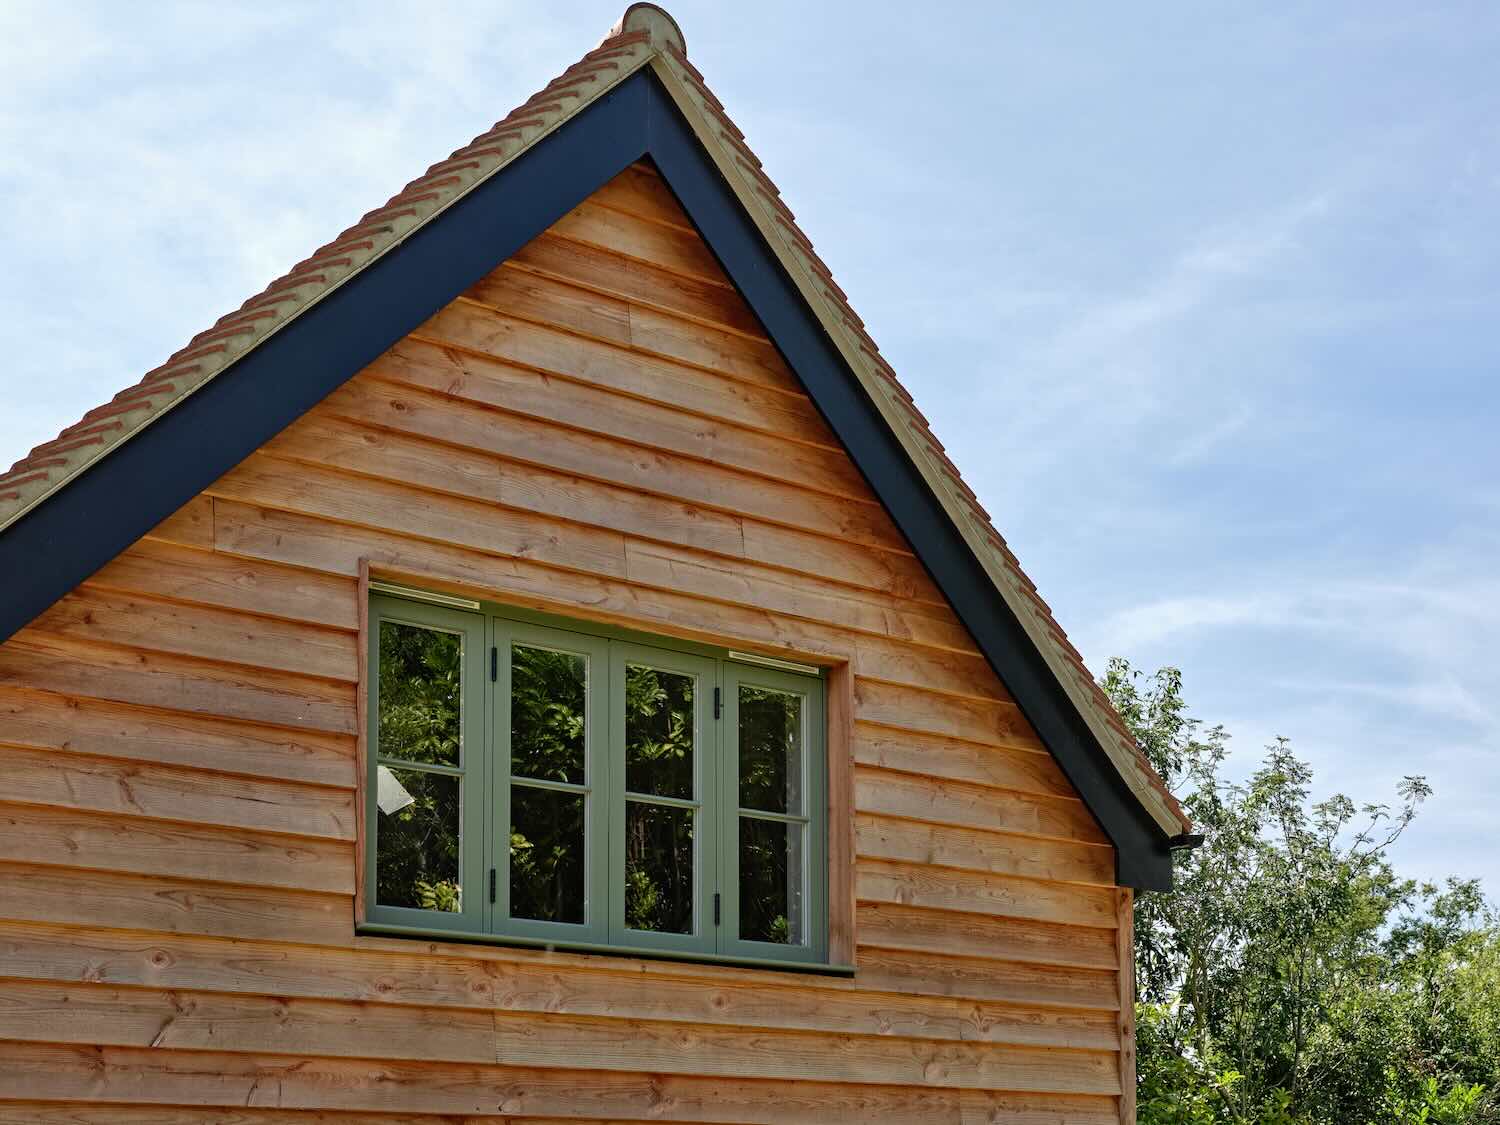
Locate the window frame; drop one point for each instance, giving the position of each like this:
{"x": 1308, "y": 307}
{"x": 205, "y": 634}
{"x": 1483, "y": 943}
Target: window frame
{"x": 472, "y": 769}
{"x": 504, "y": 633}
{"x": 814, "y": 786}
{"x": 706, "y": 741}
{"x": 716, "y": 751}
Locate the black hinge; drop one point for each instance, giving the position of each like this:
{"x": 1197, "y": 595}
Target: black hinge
{"x": 492, "y": 884}
{"x": 718, "y": 702}
{"x": 716, "y": 908}
{"x": 494, "y": 675}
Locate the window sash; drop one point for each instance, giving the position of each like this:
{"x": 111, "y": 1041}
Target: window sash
{"x": 706, "y": 751}
{"x": 487, "y": 795}
{"x": 811, "y": 820}
{"x": 472, "y": 768}
{"x": 505, "y": 634}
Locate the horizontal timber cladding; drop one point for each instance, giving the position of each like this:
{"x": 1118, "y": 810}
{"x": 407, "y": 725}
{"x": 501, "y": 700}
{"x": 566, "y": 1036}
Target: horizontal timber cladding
{"x": 599, "y": 429}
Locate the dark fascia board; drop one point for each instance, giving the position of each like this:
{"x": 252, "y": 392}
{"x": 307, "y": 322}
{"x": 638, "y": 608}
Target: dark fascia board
{"x": 113, "y": 503}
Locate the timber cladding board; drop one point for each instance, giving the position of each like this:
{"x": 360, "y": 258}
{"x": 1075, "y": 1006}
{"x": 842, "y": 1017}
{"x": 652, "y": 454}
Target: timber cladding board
{"x": 63, "y": 723}
{"x": 597, "y": 429}
{"x": 549, "y": 396}
{"x": 528, "y": 983}
{"x": 136, "y": 1076}
{"x": 105, "y": 1015}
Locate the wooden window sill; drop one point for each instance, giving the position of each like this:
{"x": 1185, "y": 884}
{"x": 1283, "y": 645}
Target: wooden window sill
{"x": 392, "y": 929}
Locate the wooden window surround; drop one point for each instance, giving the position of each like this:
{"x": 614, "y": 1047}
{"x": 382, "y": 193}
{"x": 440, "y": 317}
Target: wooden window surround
{"x": 495, "y": 630}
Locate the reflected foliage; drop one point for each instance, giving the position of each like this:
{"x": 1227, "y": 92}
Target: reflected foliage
{"x": 658, "y": 732}
{"x": 421, "y": 688}
{"x": 416, "y": 847}
{"x": 771, "y": 902}
{"x": 419, "y": 720}
{"x": 547, "y": 724}
{"x": 770, "y": 750}
{"x": 546, "y": 855}
{"x": 658, "y": 838}
{"x": 658, "y": 868}
{"x": 548, "y": 731}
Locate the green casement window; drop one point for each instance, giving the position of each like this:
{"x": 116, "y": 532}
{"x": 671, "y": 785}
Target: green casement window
{"x": 550, "y": 782}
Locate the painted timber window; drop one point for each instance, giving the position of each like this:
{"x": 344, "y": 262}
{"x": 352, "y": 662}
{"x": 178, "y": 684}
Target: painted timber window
{"x": 549, "y": 782}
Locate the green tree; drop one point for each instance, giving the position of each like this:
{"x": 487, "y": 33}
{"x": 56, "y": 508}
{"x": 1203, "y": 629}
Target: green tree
{"x": 1291, "y": 975}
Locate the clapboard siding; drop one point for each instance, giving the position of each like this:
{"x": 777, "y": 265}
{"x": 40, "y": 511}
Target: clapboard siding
{"x": 466, "y": 326}
{"x": 481, "y": 379}
{"x": 517, "y": 440}
{"x": 66, "y": 723}
{"x": 106, "y": 1015}
{"x": 81, "y": 896}
{"x": 401, "y": 973}
{"x": 977, "y": 936}
{"x": 211, "y": 1079}
{"x": 155, "y": 791}
{"x": 945, "y": 845}
{"x": 173, "y": 573}
{"x": 658, "y": 576}
{"x": 601, "y": 429}
{"x": 1026, "y": 771}
{"x": 225, "y": 636}
{"x": 74, "y": 841}
{"x": 34, "y": 658}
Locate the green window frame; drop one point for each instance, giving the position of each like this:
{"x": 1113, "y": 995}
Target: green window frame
{"x": 647, "y": 751}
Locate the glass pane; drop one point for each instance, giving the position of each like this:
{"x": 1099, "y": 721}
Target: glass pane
{"x": 547, "y": 691}
{"x": 771, "y": 906}
{"x": 416, "y": 840}
{"x": 546, "y": 854}
{"x": 658, "y": 868}
{"x": 770, "y": 750}
{"x": 658, "y": 732}
{"x": 421, "y": 691}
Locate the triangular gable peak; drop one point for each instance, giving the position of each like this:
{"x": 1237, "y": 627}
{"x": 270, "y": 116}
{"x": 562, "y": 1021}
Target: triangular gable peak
{"x": 80, "y": 499}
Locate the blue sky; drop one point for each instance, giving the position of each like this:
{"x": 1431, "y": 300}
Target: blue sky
{"x": 1202, "y": 299}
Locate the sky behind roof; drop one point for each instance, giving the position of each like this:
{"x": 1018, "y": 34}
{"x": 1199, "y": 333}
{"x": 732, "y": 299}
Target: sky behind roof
{"x": 1202, "y": 301}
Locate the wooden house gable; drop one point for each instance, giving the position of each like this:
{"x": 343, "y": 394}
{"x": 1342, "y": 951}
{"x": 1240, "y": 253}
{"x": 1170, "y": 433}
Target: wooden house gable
{"x": 597, "y": 428}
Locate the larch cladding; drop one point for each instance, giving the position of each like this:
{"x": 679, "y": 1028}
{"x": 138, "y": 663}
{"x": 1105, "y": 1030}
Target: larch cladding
{"x": 599, "y": 428}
